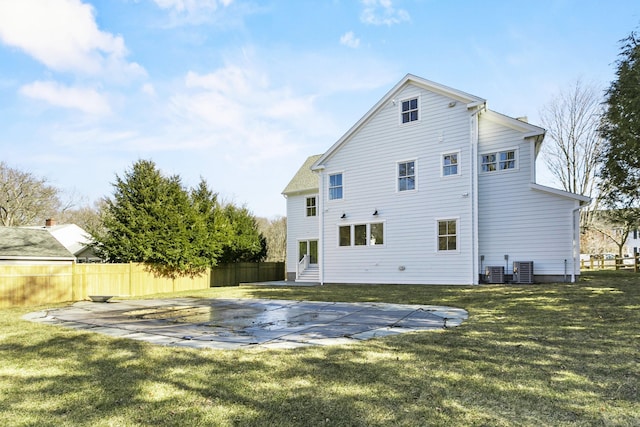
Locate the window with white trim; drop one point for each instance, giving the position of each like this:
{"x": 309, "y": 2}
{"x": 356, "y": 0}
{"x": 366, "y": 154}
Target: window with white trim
{"x": 447, "y": 235}
{"x": 450, "y": 164}
{"x": 409, "y": 110}
{"x": 498, "y": 161}
{"x": 407, "y": 176}
{"x": 367, "y": 234}
{"x": 311, "y": 206}
{"x": 344, "y": 235}
{"x": 507, "y": 160}
{"x": 335, "y": 186}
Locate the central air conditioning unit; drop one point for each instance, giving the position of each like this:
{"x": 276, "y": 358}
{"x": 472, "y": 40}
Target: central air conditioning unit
{"x": 494, "y": 274}
{"x": 523, "y": 271}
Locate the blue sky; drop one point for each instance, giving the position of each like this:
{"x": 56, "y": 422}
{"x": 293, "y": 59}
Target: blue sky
{"x": 241, "y": 92}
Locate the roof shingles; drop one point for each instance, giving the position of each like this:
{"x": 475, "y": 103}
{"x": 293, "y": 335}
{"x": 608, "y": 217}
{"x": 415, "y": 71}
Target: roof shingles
{"x": 30, "y": 243}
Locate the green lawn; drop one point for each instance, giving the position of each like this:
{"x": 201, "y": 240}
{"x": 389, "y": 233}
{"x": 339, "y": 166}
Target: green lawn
{"x": 561, "y": 354}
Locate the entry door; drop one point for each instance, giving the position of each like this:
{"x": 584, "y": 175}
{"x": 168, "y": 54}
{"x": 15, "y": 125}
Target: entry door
{"x": 309, "y": 247}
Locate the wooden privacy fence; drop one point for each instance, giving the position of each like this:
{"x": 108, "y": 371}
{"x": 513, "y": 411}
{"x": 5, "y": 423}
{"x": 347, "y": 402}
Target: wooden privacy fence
{"x": 246, "y": 272}
{"x": 22, "y": 285}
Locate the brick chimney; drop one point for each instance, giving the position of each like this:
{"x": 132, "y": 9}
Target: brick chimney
{"x": 49, "y": 222}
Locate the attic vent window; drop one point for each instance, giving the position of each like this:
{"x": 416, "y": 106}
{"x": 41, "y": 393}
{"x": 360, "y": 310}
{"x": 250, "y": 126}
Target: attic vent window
{"x": 410, "y": 110}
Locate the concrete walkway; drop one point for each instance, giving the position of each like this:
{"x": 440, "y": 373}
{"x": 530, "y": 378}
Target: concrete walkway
{"x": 229, "y": 324}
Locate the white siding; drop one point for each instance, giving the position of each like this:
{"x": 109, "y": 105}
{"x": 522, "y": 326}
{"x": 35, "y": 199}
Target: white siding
{"x": 517, "y": 221}
{"x": 299, "y": 227}
{"x": 368, "y": 161}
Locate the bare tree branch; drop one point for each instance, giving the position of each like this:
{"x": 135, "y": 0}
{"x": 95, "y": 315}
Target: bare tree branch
{"x": 572, "y": 120}
{"x": 24, "y": 198}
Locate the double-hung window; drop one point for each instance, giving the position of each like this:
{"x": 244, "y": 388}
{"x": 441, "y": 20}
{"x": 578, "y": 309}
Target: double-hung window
{"x": 450, "y": 164}
{"x": 409, "y": 110}
{"x": 335, "y": 186}
{"x": 407, "y": 176}
{"x": 447, "y": 235}
{"x": 311, "y": 206}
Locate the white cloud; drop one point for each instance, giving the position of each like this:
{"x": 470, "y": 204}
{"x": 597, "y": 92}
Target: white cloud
{"x": 191, "y": 6}
{"x": 382, "y": 12}
{"x": 195, "y": 12}
{"x": 236, "y": 106}
{"x": 64, "y": 36}
{"x": 349, "y": 39}
{"x": 148, "y": 89}
{"x": 85, "y": 99}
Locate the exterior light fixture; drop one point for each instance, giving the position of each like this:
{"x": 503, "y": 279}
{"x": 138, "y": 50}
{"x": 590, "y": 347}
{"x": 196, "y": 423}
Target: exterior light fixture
{"x": 375, "y": 213}
{"x": 344, "y": 215}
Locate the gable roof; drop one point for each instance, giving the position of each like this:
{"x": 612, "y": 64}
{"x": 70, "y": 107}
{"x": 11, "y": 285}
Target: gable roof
{"x": 527, "y": 129}
{"x": 71, "y": 236}
{"x": 25, "y": 243}
{"x": 304, "y": 180}
{"x": 472, "y": 101}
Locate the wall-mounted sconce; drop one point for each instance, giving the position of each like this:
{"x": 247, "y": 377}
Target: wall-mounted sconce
{"x": 452, "y": 104}
{"x": 375, "y": 213}
{"x": 344, "y": 215}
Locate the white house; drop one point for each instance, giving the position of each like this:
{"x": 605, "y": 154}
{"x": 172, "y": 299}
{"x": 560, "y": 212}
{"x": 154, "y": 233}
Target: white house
{"x": 430, "y": 187}
{"x": 74, "y": 238}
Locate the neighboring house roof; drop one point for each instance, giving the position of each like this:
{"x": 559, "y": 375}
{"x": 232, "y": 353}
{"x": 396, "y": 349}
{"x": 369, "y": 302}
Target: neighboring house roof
{"x": 27, "y": 243}
{"x": 471, "y": 101}
{"x": 72, "y": 237}
{"x": 304, "y": 180}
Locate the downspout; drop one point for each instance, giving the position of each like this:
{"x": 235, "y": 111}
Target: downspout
{"x": 574, "y": 240}
{"x": 474, "y": 123}
{"x": 320, "y": 225}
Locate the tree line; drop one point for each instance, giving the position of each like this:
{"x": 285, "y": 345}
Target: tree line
{"x": 593, "y": 149}
{"x": 150, "y": 218}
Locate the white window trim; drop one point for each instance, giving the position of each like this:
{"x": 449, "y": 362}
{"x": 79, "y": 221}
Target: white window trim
{"x": 516, "y": 151}
{"x": 329, "y": 187}
{"x": 351, "y": 225}
{"x": 407, "y": 98}
{"x": 457, "y": 153}
{"x": 448, "y": 218}
{"x": 415, "y": 175}
{"x": 306, "y": 207}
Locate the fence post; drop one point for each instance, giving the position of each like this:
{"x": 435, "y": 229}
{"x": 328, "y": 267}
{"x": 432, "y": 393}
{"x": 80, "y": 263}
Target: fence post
{"x": 130, "y": 278}
{"x": 635, "y": 261}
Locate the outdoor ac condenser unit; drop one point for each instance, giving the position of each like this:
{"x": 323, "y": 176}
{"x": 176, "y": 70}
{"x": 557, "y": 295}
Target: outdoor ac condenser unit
{"x": 494, "y": 274}
{"x": 523, "y": 271}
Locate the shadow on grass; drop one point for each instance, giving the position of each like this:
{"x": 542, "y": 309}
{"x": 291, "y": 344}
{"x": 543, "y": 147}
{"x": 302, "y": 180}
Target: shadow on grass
{"x": 527, "y": 355}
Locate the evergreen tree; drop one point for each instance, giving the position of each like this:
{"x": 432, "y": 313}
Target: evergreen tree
{"x": 204, "y": 201}
{"x": 620, "y": 172}
{"x": 238, "y": 234}
{"x": 151, "y": 220}
{"x": 620, "y": 128}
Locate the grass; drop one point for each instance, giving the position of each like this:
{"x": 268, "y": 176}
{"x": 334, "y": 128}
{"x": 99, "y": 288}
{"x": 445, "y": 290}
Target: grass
{"x": 561, "y": 354}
